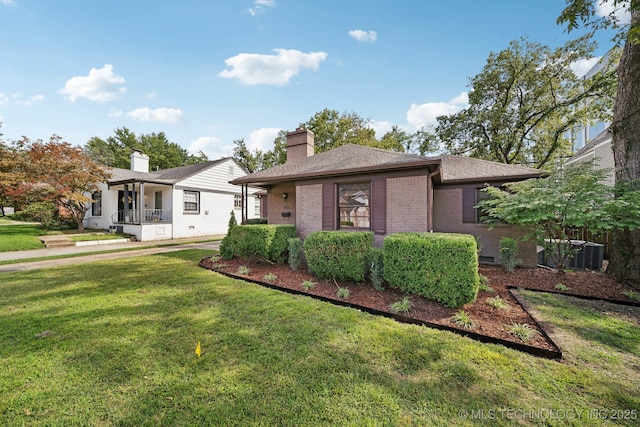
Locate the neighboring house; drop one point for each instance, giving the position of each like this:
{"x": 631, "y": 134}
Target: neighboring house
{"x": 600, "y": 152}
{"x": 187, "y": 201}
{"x": 355, "y": 188}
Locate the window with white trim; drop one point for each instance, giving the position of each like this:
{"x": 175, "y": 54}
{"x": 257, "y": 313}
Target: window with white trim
{"x": 96, "y": 205}
{"x": 191, "y": 201}
{"x": 237, "y": 202}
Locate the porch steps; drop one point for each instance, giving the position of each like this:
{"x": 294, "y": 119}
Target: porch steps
{"x": 56, "y": 241}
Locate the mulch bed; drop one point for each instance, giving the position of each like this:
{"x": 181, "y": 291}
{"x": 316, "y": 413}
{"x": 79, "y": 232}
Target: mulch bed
{"x": 490, "y": 324}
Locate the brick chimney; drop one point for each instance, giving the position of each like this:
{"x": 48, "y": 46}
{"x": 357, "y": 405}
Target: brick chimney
{"x": 139, "y": 161}
{"x": 299, "y": 144}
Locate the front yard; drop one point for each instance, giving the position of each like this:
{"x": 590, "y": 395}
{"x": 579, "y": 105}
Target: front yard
{"x": 113, "y": 343}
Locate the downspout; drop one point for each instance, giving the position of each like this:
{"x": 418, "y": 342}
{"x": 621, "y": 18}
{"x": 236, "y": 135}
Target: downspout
{"x": 430, "y": 199}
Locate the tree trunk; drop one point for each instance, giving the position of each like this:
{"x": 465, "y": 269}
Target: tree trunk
{"x": 624, "y": 262}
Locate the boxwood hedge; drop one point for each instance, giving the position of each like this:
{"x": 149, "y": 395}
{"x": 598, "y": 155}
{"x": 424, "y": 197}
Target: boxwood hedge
{"x": 258, "y": 241}
{"x": 341, "y": 255}
{"x": 439, "y": 266}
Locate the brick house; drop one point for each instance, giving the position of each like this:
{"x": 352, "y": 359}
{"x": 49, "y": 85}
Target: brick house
{"x": 355, "y": 188}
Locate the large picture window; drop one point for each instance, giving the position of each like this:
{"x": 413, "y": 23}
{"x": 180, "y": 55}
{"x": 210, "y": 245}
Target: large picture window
{"x": 96, "y": 205}
{"x": 354, "y": 209}
{"x": 470, "y": 198}
{"x": 191, "y": 201}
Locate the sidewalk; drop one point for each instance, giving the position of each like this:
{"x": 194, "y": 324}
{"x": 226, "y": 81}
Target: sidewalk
{"x": 83, "y": 254}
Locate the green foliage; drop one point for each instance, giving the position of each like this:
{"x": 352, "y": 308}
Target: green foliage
{"x": 255, "y": 221}
{"x": 232, "y": 222}
{"x": 47, "y": 214}
{"x": 307, "y": 285}
{"x": 244, "y": 270}
{"x": 523, "y": 331}
{"x": 402, "y": 306}
{"x": 509, "y": 253}
{"x": 524, "y": 100}
{"x": 116, "y": 150}
{"x": 376, "y": 268}
{"x": 266, "y": 242}
{"x": 338, "y": 254}
{"x": 227, "y": 246}
{"x": 270, "y": 278}
{"x": 568, "y": 198}
{"x": 295, "y": 253}
{"x": 632, "y": 295}
{"x": 561, "y": 287}
{"x": 462, "y": 319}
{"x": 439, "y": 266}
{"x": 484, "y": 284}
{"x": 343, "y": 292}
{"x": 497, "y": 303}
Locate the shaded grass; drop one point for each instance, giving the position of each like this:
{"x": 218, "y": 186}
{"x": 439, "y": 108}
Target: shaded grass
{"x": 125, "y": 331}
{"x": 20, "y": 237}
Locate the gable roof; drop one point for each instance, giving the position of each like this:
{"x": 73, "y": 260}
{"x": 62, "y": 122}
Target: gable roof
{"x": 353, "y": 159}
{"x": 601, "y": 137}
{"x": 165, "y": 176}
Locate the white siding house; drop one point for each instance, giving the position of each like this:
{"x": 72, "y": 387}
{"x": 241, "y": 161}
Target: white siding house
{"x": 188, "y": 201}
{"x": 597, "y": 150}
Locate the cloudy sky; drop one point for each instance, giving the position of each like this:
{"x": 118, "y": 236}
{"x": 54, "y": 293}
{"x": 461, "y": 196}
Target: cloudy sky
{"x": 208, "y": 72}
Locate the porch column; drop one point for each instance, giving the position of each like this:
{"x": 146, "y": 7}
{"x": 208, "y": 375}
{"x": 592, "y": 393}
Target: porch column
{"x": 141, "y": 203}
{"x": 125, "y": 204}
{"x": 245, "y": 201}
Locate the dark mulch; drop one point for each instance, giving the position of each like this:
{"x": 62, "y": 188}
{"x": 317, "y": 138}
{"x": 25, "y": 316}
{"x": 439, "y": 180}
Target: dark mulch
{"x": 488, "y": 321}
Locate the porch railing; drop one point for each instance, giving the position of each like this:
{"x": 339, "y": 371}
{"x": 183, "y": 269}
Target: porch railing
{"x": 149, "y": 216}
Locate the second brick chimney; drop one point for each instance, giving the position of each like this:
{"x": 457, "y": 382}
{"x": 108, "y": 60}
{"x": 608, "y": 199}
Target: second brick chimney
{"x": 299, "y": 144}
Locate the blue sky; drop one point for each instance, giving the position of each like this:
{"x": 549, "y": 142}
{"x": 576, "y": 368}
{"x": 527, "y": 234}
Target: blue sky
{"x": 208, "y": 72}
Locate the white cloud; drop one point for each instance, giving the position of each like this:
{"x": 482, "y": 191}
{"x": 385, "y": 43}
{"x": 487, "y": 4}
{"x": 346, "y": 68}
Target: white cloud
{"x": 100, "y": 85}
{"x": 381, "y": 128}
{"x": 161, "y": 115}
{"x": 115, "y": 113}
{"x": 8, "y": 2}
{"x": 621, "y": 12}
{"x": 260, "y": 5}
{"x": 581, "y": 66}
{"x": 364, "y": 36}
{"x": 33, "y": 100}
{"x": 262, "y": 139}
{"x": 257, "y": 69}
{"x": 211, "y": 146}
{"x": 420, "y": 115}
{"x": 4, "y": 99}
{"x": 151, "y": 95}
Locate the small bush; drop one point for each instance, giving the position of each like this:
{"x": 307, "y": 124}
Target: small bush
{"x": 255, "y": 221}
{"x": 484, "y": 284}
{"x": 439, "y": 266}
{"x": 308, "y": 284}
{"x": 338, "y": 254}
{"x": 226, "y": 248}
{"x": 343, "y": 293}
{"x": 244, "y": 270}
{"x": 376, "y": 268}
{"x": 295, "y": 253}
{"x": 561, "y": 287}
{"x": 266, "y": 242}
{"x": 632, "y": 295}
{"x": 270, "y": 278}
{"x": 402, "y": 306}
{"x": 509, "y": 253}
{"x": 463, "y": 320}
{"x": 497, "y": 303}
{"x": 523, "y": 331}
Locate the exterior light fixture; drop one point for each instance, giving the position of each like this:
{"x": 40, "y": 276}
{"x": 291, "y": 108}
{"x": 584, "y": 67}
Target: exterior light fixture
{"x": 285, "y": 195}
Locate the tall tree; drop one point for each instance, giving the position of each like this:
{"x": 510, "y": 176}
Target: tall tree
{"x": 524, "y": 101}
{"x": 332, "y": 129}
{"x": 116, "y": 150}
{"x": 625, "y": 255}
{"x": 60, "y": 173}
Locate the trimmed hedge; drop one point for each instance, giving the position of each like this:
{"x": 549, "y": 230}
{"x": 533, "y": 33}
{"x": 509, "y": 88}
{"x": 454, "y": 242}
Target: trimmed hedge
{"x": 439, "y": 266}
{"x": 259, "y": 241}
{"x": 341, "y": 255}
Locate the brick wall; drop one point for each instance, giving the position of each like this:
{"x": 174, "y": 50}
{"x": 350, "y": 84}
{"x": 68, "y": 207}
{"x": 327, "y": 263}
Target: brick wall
{"x": 276, "y": 204}
{"x": 447, "y": 217}
{"x": 407, "y": 204}
{"x": 308, "y": 209}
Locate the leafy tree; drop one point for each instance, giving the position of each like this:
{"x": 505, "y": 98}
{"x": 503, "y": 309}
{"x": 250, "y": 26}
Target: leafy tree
{"x": 332, "y": 129}
{"x": 256, "y": 160}
{"x": 624, "y": 263}
{"x": 116, "y": 150}
{"x": 524, "y": 100}
{"x": 60, "y": 173}
{"x": 550, "y": 207}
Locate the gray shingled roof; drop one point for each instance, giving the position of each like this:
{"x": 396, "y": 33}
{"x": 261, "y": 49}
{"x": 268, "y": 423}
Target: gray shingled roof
{"x": 353, "y": 159}
{"x": 165, "y": 176}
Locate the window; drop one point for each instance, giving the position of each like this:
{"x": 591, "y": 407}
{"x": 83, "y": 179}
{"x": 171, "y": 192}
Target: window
{"x": 257, "y": 211}
{"x": 158, "y": 200}
{"x": 470, "y": 198}
{"x": 237, "y": 202}
{"x": 96, "y": 205}
{"x": 230, "y": 170}
{"x": 191, "y": 201}
{"x": 353, "y": 205}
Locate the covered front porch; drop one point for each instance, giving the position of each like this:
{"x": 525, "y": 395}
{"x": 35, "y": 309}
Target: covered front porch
{"x": 140, "y": 202}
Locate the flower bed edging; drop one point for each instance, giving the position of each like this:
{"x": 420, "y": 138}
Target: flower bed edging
{"x": 536, "y": 351}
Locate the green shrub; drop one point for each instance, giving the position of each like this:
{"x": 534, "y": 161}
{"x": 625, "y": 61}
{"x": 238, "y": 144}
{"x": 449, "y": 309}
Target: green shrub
{"x": 226, "y": 245}
{"x": 376, "y": 268}
{"x": 439, "y": 266}
{"x": 295, "y": 253}
{"x": 338, "y": 255}
{"x": 255, "y": 221}
{"x": 509, "y": 253}
{"x": 267, "y": 242}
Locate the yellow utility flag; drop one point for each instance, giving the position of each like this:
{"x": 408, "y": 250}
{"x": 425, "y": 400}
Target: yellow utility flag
{"x": 198, "y": 349}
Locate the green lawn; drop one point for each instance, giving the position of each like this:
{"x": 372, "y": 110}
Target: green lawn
{"x": 89, "y": 236}
{"x": 20, "y": 237}
{"x": 120, "y": 351}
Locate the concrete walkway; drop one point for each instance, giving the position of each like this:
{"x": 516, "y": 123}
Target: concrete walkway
{"x": 84, "y": 254}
